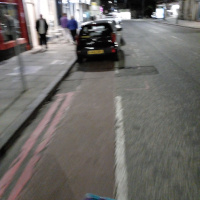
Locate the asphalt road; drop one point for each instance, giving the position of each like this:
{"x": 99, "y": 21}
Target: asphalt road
{"x": 160, "y": 90}
{"x": 69, "y": 148}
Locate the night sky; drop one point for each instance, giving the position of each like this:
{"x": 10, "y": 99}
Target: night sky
{"x": 149, "y": 5}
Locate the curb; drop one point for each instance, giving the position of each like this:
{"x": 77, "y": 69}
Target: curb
{"x": 13, "y": 131}
{"x": 177, "y": 25}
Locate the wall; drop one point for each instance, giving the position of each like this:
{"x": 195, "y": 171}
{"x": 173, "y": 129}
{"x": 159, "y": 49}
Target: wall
{"x": 190, "y": 10}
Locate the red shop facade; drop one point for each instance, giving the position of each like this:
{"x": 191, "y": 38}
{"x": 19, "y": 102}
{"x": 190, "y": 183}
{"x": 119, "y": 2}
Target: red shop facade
{"x": 12, "y": 15}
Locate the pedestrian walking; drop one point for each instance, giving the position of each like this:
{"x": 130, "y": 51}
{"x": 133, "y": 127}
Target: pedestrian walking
{"x": 42, "y": 27}
{"x": 66, "y": 32}
{"x": 73, "y": 25}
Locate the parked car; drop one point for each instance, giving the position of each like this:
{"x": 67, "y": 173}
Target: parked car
{"x": 116, "y": 23}
{"x": 118, "y": 28}
{"x": 97, "y": 38}
{"x": 117, "y": 19}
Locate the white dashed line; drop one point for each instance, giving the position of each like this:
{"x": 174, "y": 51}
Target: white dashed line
{"x": 120, "y": 161}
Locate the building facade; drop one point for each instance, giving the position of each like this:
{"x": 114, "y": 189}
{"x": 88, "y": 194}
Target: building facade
{"x": 12, "y": 26}
{"x": 22, "y": 14}
{"x": 189, "y": 10}
{"x": 52, "y": 11}
{"x": 77, "y": 8}
{"x": 33, "y": 9}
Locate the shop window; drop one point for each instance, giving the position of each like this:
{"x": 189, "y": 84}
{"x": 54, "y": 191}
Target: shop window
{"x": 9, "y": 22}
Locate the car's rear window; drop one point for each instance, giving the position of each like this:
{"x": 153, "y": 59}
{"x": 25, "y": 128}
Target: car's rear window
{"x": 96, "y": 30}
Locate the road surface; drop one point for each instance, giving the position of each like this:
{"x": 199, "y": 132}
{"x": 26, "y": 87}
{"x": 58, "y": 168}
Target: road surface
{"x": 126, "y": 130}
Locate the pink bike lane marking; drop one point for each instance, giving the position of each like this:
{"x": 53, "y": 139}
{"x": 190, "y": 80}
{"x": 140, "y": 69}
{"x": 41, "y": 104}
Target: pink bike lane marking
{"x": 9, "y": 175}
{"x": 28, "y": 172}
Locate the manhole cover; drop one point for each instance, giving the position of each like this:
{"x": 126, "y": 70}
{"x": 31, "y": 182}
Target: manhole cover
{"x": 139, "y": 70}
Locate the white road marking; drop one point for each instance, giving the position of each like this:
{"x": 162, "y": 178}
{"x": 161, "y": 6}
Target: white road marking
{"x": 120, "y": 161}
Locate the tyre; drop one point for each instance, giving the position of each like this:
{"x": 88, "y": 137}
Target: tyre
{"x": 80, "y": 59}
{"x": 115, "y": 57}
{"x": 122, "y": 42}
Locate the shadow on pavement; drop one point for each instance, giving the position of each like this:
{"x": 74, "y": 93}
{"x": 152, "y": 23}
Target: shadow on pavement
{"x": 102, "y": 63}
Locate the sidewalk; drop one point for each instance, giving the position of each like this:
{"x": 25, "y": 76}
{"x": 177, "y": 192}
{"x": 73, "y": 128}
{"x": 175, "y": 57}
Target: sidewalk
{"x": 184, "y": 23}
{"x": 43, "y": 72}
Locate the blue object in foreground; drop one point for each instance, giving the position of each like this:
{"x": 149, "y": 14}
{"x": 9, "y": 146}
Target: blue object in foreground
{"x": 95, "y": 197}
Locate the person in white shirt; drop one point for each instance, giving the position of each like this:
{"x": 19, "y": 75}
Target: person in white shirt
{"x": 42, "y": 27}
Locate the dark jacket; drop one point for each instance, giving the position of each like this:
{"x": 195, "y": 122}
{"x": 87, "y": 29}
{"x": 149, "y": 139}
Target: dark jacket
{"x": 38, "y": 24}
{"x": 72, "y": 24}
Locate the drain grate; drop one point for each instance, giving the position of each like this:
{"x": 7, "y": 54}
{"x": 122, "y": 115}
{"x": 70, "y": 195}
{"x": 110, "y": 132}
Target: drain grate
{"x": 137, "y": 71}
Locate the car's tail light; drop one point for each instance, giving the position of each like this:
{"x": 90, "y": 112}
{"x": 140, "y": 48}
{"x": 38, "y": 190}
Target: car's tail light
{"x": 113, "y": 50}
{"x": 113, "y": 37}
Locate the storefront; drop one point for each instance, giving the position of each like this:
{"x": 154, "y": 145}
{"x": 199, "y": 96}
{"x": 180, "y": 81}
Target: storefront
{"x": 12, "y": 26}
{"x": 198, "y": 11}
{"x": 33, "y": 9}
{"x": 77, "y": 8}
{"x": 189, "y": 10}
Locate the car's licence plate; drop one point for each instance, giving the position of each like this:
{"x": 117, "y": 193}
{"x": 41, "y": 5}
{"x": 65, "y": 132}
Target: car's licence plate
{"x": 95, "y": 52}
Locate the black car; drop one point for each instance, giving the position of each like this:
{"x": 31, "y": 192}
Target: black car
{"x": 96, "y": 38}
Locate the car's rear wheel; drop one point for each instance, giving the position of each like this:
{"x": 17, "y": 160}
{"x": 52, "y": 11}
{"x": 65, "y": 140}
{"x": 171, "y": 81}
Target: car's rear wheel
{"x": 122, "y": 42}
{"x": 115, "y": 57}
{"x": 80, "y": 59}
